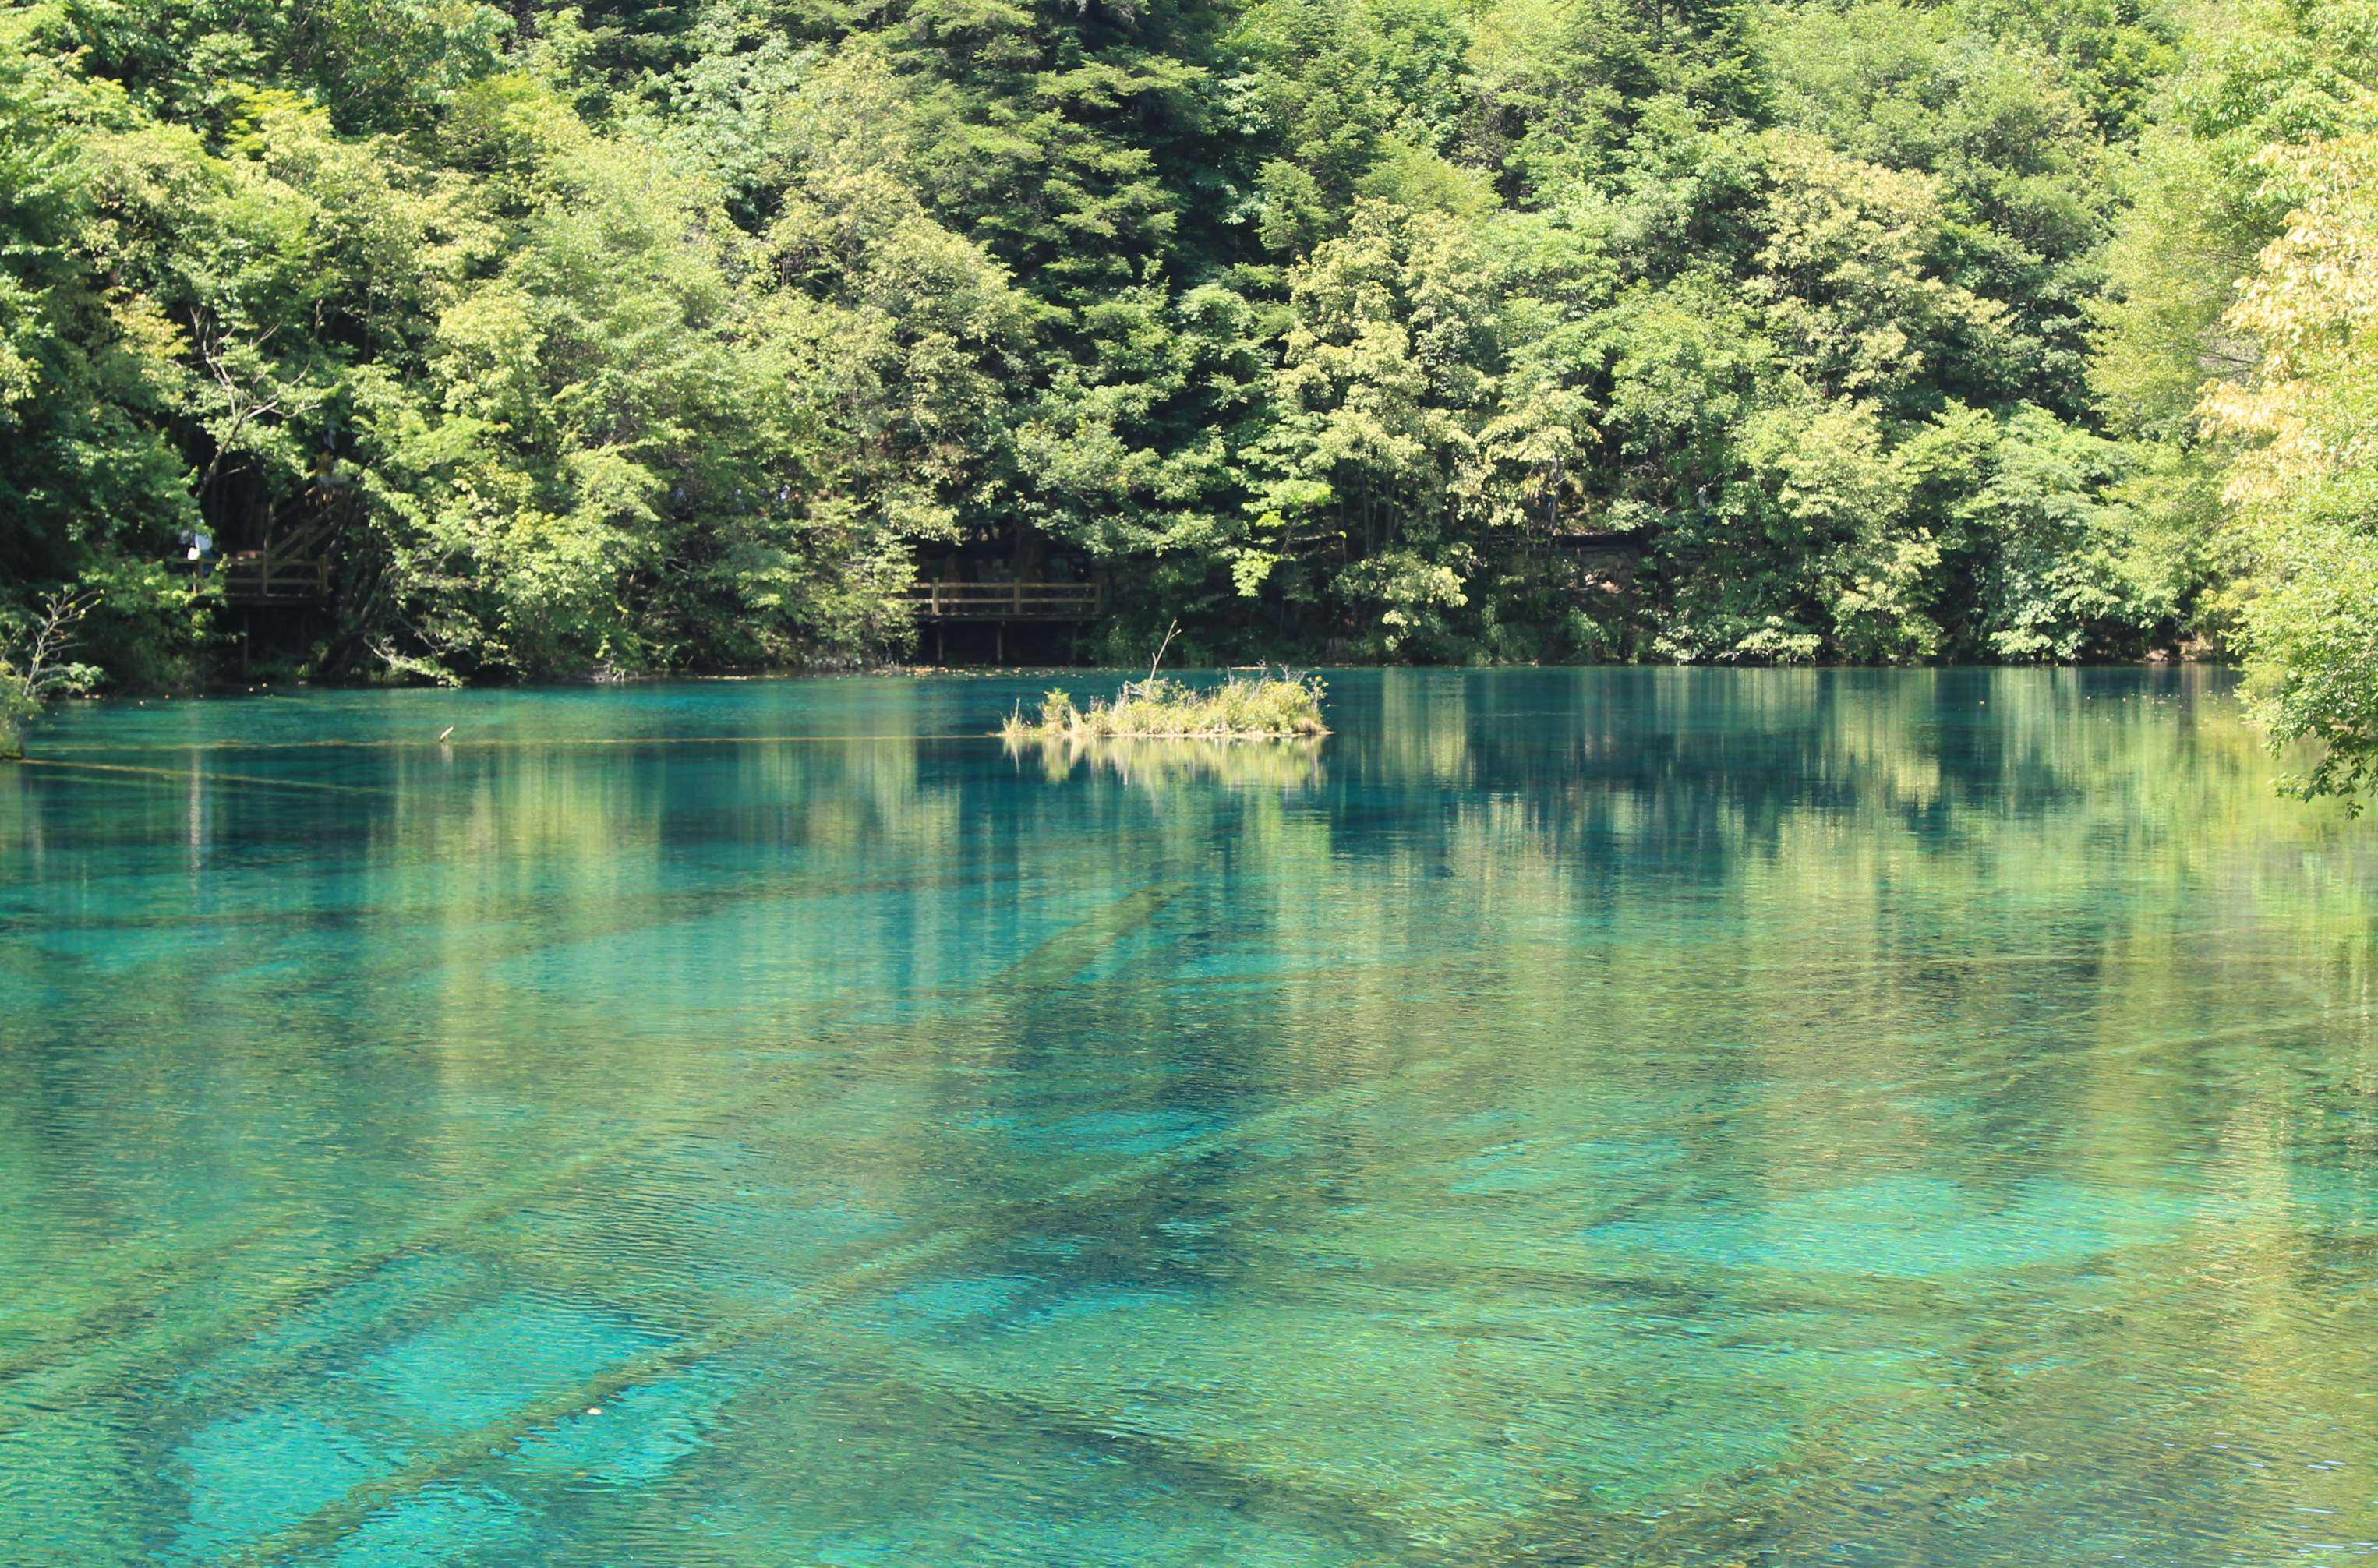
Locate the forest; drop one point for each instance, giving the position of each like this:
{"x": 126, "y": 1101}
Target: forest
{"x": 621, "y": 337}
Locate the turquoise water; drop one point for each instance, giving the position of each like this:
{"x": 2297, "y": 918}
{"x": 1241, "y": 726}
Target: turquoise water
{"x": 1618, "y": 1116}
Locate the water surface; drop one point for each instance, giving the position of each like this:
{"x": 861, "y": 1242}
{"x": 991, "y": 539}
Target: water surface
{"x": 1618, "y": 1116}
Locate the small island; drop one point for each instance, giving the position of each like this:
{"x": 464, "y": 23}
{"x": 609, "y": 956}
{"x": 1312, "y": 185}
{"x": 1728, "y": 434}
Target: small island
{"x": 1265, "y": 707}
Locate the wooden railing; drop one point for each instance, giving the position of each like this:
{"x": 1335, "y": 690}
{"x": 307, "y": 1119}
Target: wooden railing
{"x": 259, "y": 577}
{"x": 1004, "y": 601}
{"x": 292, "y": 566}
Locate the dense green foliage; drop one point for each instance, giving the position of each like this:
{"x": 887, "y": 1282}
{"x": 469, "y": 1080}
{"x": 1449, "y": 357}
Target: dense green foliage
{"x": 2266, "y": 170}
{"x": 632, "y": 336}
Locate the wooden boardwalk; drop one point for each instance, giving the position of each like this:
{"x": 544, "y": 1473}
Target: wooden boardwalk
{"x": 1005, "y": 601}
{"x": 282, "y": 577}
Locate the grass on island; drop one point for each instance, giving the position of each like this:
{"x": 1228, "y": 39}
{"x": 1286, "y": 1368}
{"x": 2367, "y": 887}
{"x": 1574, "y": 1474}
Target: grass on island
{"x": 1267, "y": 707}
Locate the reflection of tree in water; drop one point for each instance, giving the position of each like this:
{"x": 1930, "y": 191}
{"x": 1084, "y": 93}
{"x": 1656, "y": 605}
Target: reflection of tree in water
{"x": 1694, "y": 759}
{"x": 1522, "y": 1091}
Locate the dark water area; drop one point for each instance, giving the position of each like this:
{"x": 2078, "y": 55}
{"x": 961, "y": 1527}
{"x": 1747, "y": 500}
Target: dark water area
{"x": 1604, "y": 1116}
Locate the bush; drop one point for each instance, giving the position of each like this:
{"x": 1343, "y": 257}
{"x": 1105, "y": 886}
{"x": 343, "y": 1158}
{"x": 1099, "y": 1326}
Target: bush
{"x": 34, "y": 666}
{"x": 1240, "y": 708}
{"x": 18, "y": 706}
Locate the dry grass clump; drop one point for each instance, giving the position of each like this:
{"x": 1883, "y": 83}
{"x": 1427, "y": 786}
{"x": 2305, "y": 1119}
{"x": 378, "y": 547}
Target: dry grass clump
{"x": 1243, "y": 708}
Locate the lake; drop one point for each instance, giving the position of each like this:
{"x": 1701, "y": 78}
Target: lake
{"x": 1581, "y": 1116}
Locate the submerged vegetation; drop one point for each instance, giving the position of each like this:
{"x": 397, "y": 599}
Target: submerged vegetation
{"x": 1280, "y": 706}
{"x": 1612, "y": 1106}
{"x": 624, "y": 337}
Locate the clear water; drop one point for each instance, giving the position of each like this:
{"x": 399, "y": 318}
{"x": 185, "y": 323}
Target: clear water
{"x": 1620, "y": 1116}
